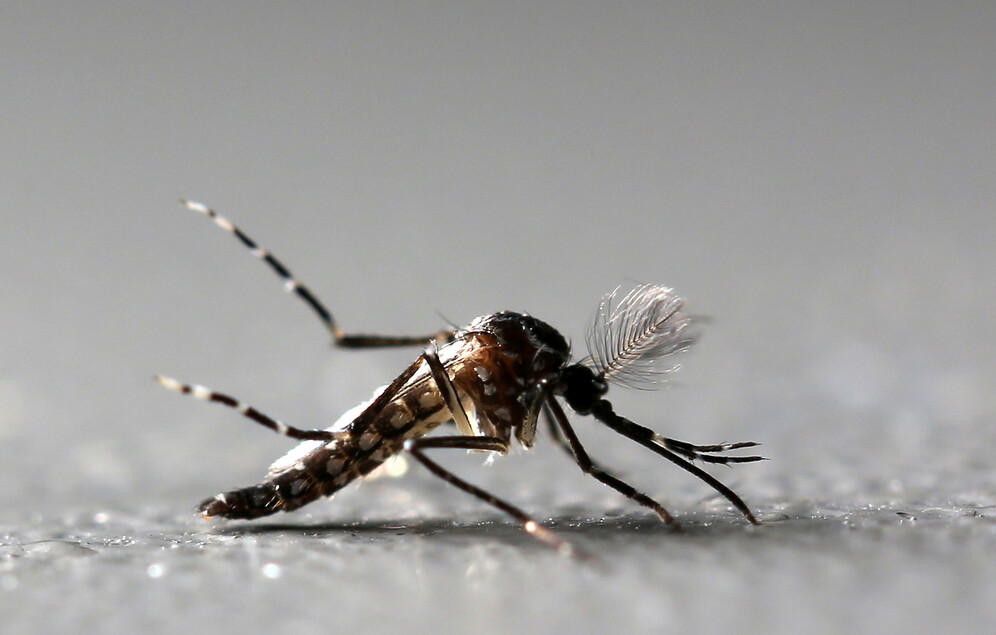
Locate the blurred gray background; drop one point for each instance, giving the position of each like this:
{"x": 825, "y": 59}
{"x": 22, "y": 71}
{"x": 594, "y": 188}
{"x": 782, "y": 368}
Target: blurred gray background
{"x": 817, "y": 179}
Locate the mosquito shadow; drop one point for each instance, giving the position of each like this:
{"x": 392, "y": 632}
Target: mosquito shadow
{"x": 587, "y": 528}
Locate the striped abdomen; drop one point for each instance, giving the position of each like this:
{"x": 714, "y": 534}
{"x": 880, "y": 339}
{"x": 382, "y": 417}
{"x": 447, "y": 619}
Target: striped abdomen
{"x": 372, "y": 438}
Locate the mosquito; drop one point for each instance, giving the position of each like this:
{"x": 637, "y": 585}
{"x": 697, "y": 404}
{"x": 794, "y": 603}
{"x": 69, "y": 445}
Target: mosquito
{"x": 494, "y": 379}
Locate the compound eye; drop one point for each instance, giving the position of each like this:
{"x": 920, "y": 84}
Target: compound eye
{"x": 599, "y": 385}
{"x": 582, "y": 388}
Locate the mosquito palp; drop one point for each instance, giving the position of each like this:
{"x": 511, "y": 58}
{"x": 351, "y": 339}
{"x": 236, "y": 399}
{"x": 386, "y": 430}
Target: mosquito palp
{"x": 493, "y": 378}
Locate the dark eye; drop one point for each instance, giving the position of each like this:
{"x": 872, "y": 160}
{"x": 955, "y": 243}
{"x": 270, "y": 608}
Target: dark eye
{"x": 582, "y": 388}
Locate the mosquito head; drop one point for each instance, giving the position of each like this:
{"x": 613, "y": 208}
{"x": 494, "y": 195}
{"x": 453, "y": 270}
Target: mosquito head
{"x": 581, "y": 388}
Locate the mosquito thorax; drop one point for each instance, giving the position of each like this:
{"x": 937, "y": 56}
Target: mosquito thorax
{"x": 511, "y": 328}
{"x": 581, "y": 388}
{"x": 537, "y": 342}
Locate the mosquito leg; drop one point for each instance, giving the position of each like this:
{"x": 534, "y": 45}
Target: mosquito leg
{"x": 291, "y": 285}
{"x": 648, "y": 439}
{"x": 449, "y": 393}
{"x": 558, "y": 438}
{"x": 574, "y": 447}
{"x": 206, "y": 394}
{"x": 416, "y": 446}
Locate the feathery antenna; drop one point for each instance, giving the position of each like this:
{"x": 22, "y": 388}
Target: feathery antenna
{"x": 630, "y": 338}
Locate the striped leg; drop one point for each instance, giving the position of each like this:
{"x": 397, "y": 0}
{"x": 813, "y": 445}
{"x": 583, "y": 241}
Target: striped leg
{"x": 206, "y": 394}
{"x": 291, "y": 285}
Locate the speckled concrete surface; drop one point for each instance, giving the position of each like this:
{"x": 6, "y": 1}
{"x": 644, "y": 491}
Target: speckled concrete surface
{"x": 816, "y": 180}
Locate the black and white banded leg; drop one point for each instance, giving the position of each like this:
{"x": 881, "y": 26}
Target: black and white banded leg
{"x": 206, "y": 394}
{"x": 558, "y": 422}
{"x": 292, "y": 285}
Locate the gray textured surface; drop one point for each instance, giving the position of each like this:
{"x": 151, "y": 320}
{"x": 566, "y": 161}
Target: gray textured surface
{"x": 817, "y": 180}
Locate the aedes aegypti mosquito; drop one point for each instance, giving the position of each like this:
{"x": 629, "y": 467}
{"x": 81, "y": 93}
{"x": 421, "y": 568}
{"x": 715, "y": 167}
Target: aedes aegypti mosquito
{"x": 493, "y": 378}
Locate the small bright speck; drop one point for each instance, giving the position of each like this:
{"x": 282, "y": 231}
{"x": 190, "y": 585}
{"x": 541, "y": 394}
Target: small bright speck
{"x": 396, "y": 466}
{"x": 196, "y": 206}
{"x": 271, "y": 570}
{"x": 156, "y": 571}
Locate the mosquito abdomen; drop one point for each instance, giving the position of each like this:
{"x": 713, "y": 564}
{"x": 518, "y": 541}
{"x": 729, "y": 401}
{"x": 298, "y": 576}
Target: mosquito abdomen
{"x": 285, "y": 491}
{"x": 250, "y": 502}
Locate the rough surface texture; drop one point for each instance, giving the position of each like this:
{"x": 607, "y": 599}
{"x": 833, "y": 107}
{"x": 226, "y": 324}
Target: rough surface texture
{"x": 816, "y": 180}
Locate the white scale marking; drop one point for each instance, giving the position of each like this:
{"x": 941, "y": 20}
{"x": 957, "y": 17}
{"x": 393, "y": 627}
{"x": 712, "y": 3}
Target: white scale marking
{"x": 368, "y": 440}
{"x": 224, "y": 223}
{"x": 196, "y": 206}
{"x": 400, "y": 418}
{"x": 426, "y": 400}
{"x": 170, "y": 383}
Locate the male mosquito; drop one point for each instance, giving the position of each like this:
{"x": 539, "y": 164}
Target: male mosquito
{"x": 494, "y": 378}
